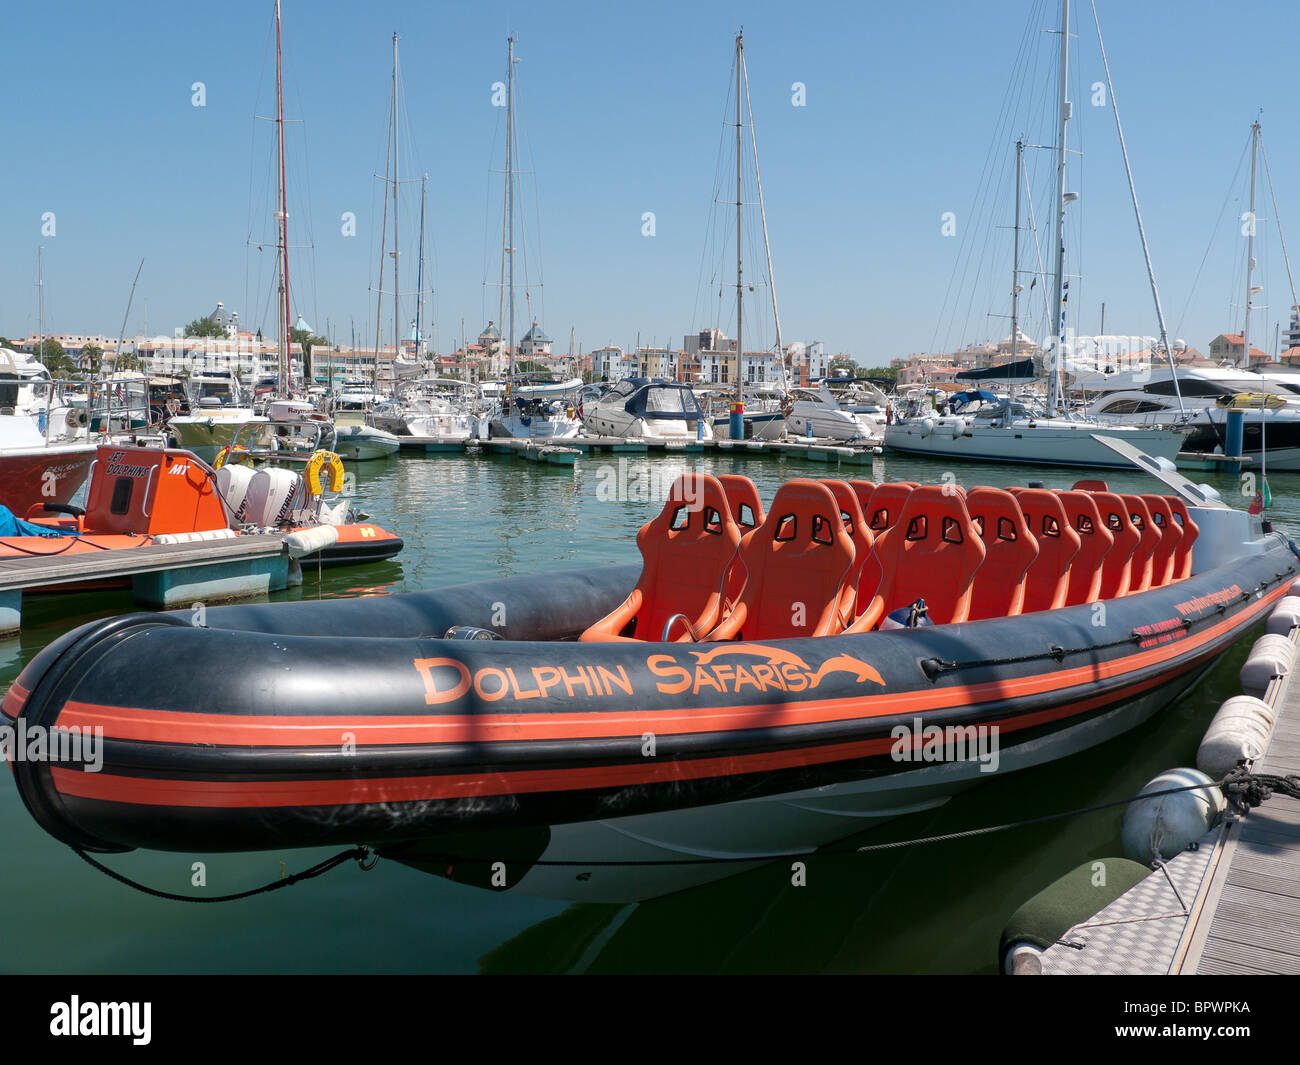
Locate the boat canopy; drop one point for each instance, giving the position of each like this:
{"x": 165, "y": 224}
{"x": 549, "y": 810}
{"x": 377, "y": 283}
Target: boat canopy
{"x": 1013, "y": 371}
{"x": 658, "y": 398}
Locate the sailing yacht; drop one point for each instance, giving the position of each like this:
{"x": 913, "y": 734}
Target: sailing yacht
{"x": 1199, "y": 398}
{"x": 1017, "y": 430}
{"x": 529, "y": 407}
{"x": 755, "y": 414}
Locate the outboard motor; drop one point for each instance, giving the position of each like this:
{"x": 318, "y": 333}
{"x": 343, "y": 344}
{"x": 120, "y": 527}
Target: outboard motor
{"x": 232, "y": 482}
{"x": 272, "y": 496}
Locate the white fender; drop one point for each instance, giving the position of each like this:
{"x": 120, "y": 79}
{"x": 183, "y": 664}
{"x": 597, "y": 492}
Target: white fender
{"x": 1239, "y": 730}
{"x": 1272, "y": 656}
{"x": 1165, "y": 826}
{"x": 1285, "y": 616}
{"x": 308, "y": 541}
{"x": 927, "y": 426}
{"x": 958, "y": 428}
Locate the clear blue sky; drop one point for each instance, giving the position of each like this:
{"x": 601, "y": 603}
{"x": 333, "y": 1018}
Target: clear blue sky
{"x": 622, "y": 105}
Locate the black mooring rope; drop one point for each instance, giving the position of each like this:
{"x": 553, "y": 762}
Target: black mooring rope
{"x": 363, "y": 855}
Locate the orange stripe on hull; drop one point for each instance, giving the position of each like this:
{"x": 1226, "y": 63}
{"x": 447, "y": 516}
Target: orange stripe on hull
{"x": 166, "y": 726}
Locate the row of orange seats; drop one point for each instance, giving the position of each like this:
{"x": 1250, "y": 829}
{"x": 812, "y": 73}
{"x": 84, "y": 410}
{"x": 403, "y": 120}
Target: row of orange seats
{"x": 838, "y": 556}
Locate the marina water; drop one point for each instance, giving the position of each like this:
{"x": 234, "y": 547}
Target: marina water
{"x": 937, "y": 908}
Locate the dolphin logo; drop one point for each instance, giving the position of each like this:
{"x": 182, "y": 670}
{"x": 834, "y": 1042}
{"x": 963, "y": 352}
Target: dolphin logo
{"x": 775, "y": 655}
{"x": 847, "y": 664}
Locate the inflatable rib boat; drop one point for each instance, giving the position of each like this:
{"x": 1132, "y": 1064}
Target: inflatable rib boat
{"x": 769, "y": 680}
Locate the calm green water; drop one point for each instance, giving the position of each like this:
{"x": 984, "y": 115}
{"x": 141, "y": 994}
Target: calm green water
{"x": 934, "y": 909}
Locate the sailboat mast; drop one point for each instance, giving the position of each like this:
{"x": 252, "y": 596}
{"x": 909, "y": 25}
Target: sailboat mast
{"x": 419, "y": 277}
{"x": 1058, "y": 310}
{"x": 1250, "y": 249}
{"x": 767, "y": 244}
{"x": 397, "y": 288}
{"x": 740, "y": 292}
{"x": 510, "y": 189}
{"x": 40, "y": 300}
{"x": 283, "y": 214}
{"x": 1015, "y": 256}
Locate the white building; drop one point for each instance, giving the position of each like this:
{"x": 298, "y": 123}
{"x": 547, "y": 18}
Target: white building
{"x": 758, "y": 368}
{"x": 612, "y": 364}
{"x": 535, "y": 344}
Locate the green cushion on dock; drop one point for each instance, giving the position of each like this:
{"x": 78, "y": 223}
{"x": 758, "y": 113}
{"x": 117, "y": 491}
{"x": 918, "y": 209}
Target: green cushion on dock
{"x": 1070, "y": 900}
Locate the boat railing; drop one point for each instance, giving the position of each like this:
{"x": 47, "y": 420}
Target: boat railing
{"x": 300, "y": 441}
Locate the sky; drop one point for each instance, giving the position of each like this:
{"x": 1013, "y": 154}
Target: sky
{"x": 904, "y": 117}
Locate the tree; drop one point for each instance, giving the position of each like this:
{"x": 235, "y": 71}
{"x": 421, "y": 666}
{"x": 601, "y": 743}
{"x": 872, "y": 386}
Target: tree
{"x": 306, "y": 341}
{"x": 92, "y": 357}
{"x": 842, "y": 363}
{"x": 889, "y": 372}
{"x": 205, "y": 327}
{"x": 55, "y": 359}
{"x": 128, "y": 360}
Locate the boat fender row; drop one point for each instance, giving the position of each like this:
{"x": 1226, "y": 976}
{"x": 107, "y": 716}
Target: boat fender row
{"x": 1271, "y": 657}
{"x": 302, "y": 542}
{"x": 195, "y": 537}
{"x": 1163, "y": 826}
{"x": 1044, "y": 919}
{"x": 1285, "y": 616}
{"x": 1239, "y": 732}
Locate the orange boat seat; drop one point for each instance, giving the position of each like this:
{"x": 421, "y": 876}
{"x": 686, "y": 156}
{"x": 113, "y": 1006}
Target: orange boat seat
{"x": 886, "y": 504}
{"x": 864, "y": 545}
{"x": 1171, "y": 532}
{"x": 1047, "y": 586}
{"x": 796, "y": 563}
{"x": 1117, "y": 568}
{"x": 863, "y": 490}
{"x": 742, "y": 500}
{"x": 1140, "y": 565}
{"x": 1095, "y": 543}
{"x": 931, "y": 552}
{"x": 1009, "y": 551}
{"x": 1090, "y": 486}
{"x": 746, "y": 510}
{"x": 687, "y": 552}
{"x": 1183, "y": 554}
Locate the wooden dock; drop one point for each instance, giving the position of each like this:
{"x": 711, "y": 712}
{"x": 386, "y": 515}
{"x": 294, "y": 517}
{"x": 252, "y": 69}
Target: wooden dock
{"x": 1247, "y": 918}
{"x": 566, "y": 448}
{"x": 160, "y": 575}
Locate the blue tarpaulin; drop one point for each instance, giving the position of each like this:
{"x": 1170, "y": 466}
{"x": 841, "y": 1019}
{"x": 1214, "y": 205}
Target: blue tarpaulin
{"x": 12, "y": 525}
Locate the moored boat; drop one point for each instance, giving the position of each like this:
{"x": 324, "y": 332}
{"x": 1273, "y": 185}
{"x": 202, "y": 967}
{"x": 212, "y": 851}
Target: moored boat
{"x": 747, "y": 693}
{"x": 140, "y": 496}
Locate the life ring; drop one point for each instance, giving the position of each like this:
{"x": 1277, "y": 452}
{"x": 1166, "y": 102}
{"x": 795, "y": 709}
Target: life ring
{"x": 75, "y": 419}
{"x": 223, "y": 456}
{"x": 316, "y": 463}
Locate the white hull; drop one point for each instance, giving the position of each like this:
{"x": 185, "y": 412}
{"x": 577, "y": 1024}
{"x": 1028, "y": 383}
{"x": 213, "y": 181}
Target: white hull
{"x": 205, "y": 435}
{"x": 831, "y": 424}
{"x": 1039, "y": 446}
{"x": 792, "y": 823}
{"x": 360, "y": 443}
{"x": 538, "y": 428}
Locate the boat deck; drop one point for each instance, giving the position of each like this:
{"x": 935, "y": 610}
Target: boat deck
{"x": 1230, "y": 906}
